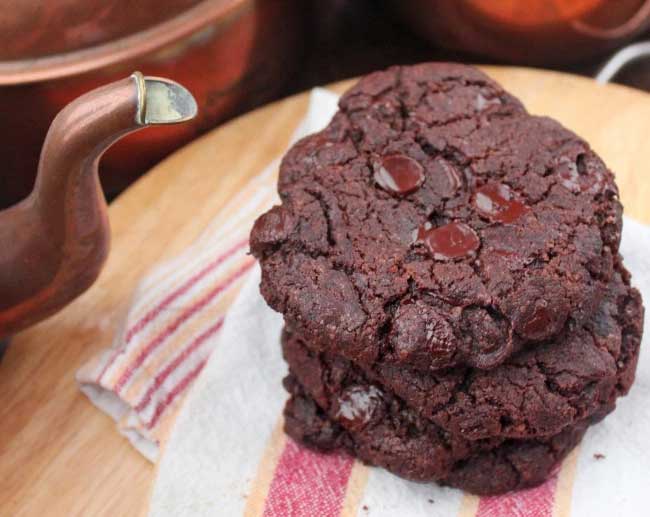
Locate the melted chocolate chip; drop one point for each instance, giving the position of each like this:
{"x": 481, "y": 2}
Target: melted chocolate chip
{"x": 420, "y": 334}
{"x": 483, "y": 102}
{"x": 539, "y": 321}
{"x": 485, "y": 339}
{"x": 357, "y": 404}
{"x": 448, "y": 242}
{"x": 574, "y": 177}
{"x": 399, "y": 174}
{"x": 496, "y": 202}
{"x": 272, "y": 228}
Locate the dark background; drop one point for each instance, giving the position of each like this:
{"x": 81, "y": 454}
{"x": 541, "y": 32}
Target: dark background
{"x": 353, "y": 37}
{"x": 299, "y": 44}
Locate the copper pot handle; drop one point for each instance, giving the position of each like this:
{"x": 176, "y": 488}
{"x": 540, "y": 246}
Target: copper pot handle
{"x": 621, "y": 59}
{"x": 621, "y": 31}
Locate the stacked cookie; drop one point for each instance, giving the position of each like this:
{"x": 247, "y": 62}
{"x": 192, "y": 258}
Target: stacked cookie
{"x": 447, "y": 266}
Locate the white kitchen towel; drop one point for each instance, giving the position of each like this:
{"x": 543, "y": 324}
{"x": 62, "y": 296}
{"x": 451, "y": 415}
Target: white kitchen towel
{"x": 227, "y": 454}
{"x": 177, "y": 312}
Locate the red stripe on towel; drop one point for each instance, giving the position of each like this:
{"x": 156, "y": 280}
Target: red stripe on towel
{"x": 178, "y": 361}
{"x": 533, "y": 502}
{"x": 177, "y": 322}
{"x": 307, "y": 483}
{"x": 177, "y": 390}
{"x": 154, "y": 312}
{"x": 186, "y": 286}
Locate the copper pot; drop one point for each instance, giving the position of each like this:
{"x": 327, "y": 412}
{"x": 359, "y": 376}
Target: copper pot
{"x": 528, "y": 32}
{"x": 231, "y": 54}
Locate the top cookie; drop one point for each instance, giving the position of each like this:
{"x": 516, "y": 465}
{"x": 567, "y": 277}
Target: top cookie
{"x": 436, "y": 223}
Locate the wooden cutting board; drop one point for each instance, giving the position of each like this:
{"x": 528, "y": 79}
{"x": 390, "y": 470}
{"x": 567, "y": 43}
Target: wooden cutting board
{"x": 61, "y": 456}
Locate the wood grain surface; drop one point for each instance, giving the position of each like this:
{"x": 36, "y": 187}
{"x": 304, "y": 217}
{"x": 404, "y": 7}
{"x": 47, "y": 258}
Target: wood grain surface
{"x": 61, "y": 456}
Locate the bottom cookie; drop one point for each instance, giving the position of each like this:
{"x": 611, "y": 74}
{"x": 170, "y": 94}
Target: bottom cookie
{"x": 485, "y": 469}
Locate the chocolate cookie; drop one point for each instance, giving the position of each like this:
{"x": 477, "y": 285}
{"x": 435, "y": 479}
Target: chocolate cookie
{"x": 415, "y": 450}
{"x": 484, "y": 431}
{"x": 435, "y": 223}
{"x": 537, "y": 392}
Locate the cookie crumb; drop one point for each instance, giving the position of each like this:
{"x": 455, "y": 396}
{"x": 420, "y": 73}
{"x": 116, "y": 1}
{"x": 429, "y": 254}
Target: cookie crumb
{"x": 599, "y": 456}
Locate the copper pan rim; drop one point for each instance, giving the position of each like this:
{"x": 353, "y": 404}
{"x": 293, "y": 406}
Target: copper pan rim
{"x": 123, "y": 49}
